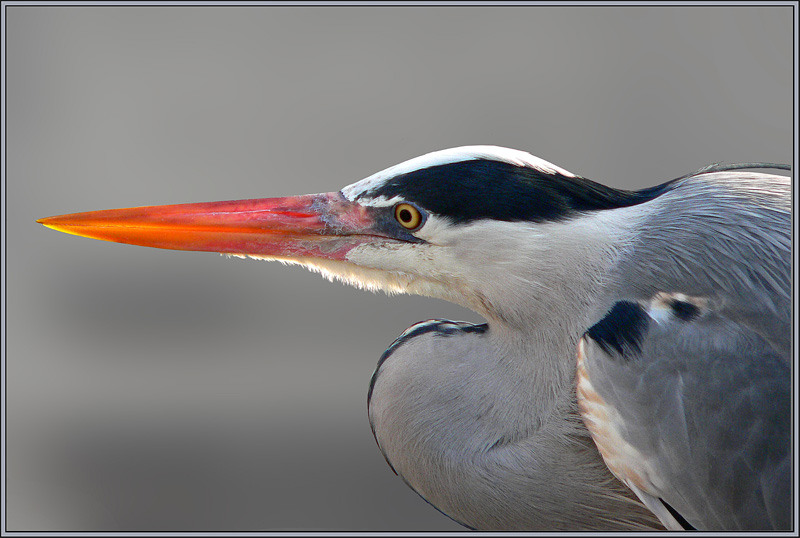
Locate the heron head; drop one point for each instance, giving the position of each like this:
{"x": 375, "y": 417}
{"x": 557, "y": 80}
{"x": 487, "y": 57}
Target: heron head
{"x": 450, "y": 224}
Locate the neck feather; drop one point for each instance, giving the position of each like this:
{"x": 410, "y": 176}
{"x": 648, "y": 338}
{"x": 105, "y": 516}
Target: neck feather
{"x": 489, "y": 419}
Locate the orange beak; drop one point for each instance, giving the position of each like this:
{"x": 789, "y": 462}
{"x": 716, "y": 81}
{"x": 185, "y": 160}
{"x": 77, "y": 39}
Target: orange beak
{"x": 315, "y": 225}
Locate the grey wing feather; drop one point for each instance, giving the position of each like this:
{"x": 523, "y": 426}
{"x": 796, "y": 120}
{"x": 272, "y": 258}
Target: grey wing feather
{"x": 725, "y": 236}
{"x": 692, "y": 353}
{"x": 704, "y": 404}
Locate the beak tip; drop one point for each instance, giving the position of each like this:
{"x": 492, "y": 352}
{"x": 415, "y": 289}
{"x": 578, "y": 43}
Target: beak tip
{"x": 54, "y": 224}
{"x": 47, "y": 222}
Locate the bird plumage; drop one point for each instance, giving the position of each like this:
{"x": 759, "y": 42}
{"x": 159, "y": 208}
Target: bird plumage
{"x": 691, "y": 410}
{"x": 722, "y": 235}
{"x": 670, "y": 304}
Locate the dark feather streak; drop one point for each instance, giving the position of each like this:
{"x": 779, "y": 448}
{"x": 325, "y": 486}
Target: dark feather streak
{"x": 622, "y": 330}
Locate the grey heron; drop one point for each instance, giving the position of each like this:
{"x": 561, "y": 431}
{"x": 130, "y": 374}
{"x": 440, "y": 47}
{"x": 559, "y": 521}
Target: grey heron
{"x": 634, "y": 370}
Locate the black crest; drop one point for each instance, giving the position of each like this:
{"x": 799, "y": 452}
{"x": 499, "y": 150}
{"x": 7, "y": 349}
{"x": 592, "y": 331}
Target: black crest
{"x": 471, "y": 190}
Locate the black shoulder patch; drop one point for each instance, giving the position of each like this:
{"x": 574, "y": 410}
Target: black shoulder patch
{"x": 467, "y": 191}
{"x": 621, "y": 330}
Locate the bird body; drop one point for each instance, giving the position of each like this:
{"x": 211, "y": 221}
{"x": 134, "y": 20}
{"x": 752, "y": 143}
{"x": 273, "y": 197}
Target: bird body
{"x": 472, "y": 442}
{"x": 516, "y": 396}
{"x": 628, "y": 333}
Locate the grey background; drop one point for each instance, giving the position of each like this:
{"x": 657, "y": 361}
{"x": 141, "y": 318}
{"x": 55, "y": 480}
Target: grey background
{"x": 162, "y": 390}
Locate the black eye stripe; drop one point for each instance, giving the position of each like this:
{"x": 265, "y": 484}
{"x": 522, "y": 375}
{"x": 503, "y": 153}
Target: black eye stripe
{"x": 483, "y": 189}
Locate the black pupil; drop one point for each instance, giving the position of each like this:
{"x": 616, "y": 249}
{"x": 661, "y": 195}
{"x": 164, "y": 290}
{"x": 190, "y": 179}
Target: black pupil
{"x": 405, "y": 215}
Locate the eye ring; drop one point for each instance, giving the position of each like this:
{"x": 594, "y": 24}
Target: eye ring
{"x": 408, "y": 216}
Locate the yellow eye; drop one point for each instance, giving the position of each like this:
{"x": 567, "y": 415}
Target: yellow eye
{"x": 408, "y": 216}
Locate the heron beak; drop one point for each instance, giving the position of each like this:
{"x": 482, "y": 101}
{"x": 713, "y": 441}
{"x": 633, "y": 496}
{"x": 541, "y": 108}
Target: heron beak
{"x": 315, "y": 225}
